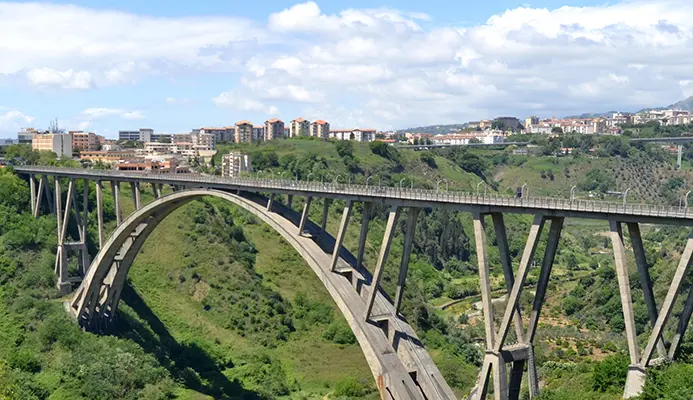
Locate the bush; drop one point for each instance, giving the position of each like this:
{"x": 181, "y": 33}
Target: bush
{"x": 610, "y": 374}
{"x": 350, "y": 387}
{"x": 339, "y": 332}
{"x": 428, "y": 158}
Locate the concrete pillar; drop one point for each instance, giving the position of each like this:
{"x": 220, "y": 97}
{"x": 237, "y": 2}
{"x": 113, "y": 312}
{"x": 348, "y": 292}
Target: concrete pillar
{"x": 484, "y": 279}
{"x": 680, "y": 157}
{"x": 63, "y": 217}
{"x": 32, "y": 187}
{"x": 39, "y": 195}
{"x": 645, "y": 280}
{"x": 115, "y": 186}
{"x": 340, "y": 235}
{"x": 161, "y": 189}
{"x": 85, "y": 225}
{"x": 515, "y": 385}
{"x": 304, "y": 215}
{"x": 364, "y": 233}
{"x": 155, "y": 190}
{"x": 682, "y": 326}
{"x": 523, "y": 270}
{"x": 269, "y": 201}
{"x": 325, "y": 212}
{"x": 406, "y": 253}
{"x": 99, "y": 211}
{"x": 135, "y": 187}
{"x": 382, "y": 258}
{"x": 289, "y": 200}
{"x": 669, "y": 300}
{"x": 49, "y": 194}
{"x": 635, "y": 377}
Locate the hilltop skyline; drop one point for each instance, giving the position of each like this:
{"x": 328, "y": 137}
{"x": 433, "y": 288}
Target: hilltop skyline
{"x": 127, "y": 65}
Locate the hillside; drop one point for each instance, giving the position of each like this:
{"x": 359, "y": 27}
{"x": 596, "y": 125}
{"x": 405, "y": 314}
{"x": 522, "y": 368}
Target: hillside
{"x": 435, "y": 129}
{"x": 219, "y": 306}
{"x": 686, "y": 104}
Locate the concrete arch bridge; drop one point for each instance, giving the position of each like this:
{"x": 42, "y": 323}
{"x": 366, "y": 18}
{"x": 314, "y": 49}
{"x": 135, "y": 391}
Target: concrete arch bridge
{"x": 400, "y": 364}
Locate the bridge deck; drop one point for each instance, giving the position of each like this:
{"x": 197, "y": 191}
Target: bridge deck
{"x": 604, "y": 210}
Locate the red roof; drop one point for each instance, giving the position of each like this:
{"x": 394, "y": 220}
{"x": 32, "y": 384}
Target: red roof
{"x": 244, "y": 122}
{"x": 273, "y": 120}
{"x": 299, "y": 119}
{"x": 319, "y": 122}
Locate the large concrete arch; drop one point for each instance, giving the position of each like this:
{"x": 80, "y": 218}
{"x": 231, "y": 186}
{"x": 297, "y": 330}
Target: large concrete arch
{"x": 398, "y": 361}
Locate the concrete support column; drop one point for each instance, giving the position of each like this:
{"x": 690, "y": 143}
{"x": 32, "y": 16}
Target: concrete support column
{"x": 49, "y": 194}
{"x": 340, "y": 235}
{"x": 63, "y": 218}
{"x": 39, "y": 195}
{"x": 99, "y": 211}
{"x": 680, "y": 157}
{"x": 85, "y": 224}
{"x": 645, "y": 280}
{"x": 682, "y": 326}
{"x": 270, "y": 199}
{"x": 364, "y": 233}
{"x": 669, "y": 301}
{"x": 161, "y": 189}
{"x": 382, "y": 258}
{"x": 635, "y": 378}
{"x": 156, "y": 191}
{"x": 135, "y": 187}
{"x": 32, "y": 187}
{"x": 406, "y": 252}
{"x": 325, "y": 212}
{"x": 289, "y": 200}
{"x": 115, "y": 186}
{"x": 304, "y": 215}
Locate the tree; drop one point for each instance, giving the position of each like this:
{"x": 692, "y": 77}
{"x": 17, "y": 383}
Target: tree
{"x": 610, "y": 374}
{"x": 557, "y": 129}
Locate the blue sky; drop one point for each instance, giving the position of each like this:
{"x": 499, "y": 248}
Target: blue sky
{"x": 109, "y": 65}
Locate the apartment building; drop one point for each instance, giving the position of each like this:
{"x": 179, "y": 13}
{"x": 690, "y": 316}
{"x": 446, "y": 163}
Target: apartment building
{"x": 358, "y": 135}
{"x": 142, "y": 135}
{"x": 274, "y": 129}
{"x": 183, "y": 137}
{"x": 244, "y": 132}
{"x": 25, "y": 136}
{"x": 224, "y": 134}
{"x": 108, "y": 157}
{"x": 299, "y": 127}
{"x": 58, "y": 143}
{"x": 202, "y": 141}
{"x": 233, "y": 164}
{"x": 320, "y": 129}
{"x": 258, "y": 133}
{"x": 84, "y": 141}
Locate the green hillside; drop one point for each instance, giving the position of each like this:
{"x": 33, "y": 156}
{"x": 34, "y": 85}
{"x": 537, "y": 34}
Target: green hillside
{"x": 219, "y": 306}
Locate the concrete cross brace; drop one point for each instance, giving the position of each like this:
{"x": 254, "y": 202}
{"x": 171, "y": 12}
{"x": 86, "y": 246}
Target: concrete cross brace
{"x": 340, "y": 235}
{"x": 304, "y": 215}
{"x": 99, "y": 211}
{"x": 325, "y": 213}
{"x": 406, "y": 252}
{"x": 364, "y": 233}
{"x": 115, "y": 186}
{"x": 382, "y": 258}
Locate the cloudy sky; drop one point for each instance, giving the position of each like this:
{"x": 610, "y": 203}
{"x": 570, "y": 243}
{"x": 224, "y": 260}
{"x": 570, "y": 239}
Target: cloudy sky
{"x": 109, "y": 65}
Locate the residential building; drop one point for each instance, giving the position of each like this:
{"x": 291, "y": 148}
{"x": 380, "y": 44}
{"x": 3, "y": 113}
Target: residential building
{"x": 485, "y": 124}
{"x": 258, "y": 133}
{"x": 25, "y": 136}
{"x": 202, "y": 141}
{"x": 161, "y": 137}
{"x": 58, "y": 143}
{"x": 184, "y": 149}
{"x": 184, "y": 137}
{"x": 233, "y": 164}
{"x": 110, "y": 145}
{"x": 6, "y": 142}
{"x": 169, "y": 166}
{"x": 84, "y": 141}
{"x": 299, "y": 127}
{"x": 320, "y": 129}
{"x": 529, "y": 121}
{"x": 108, "y": 157}
{"x": 359, "y": 135}
{"x": 244, "y": 132}
{"x": 274, "y": 129}
{"x": 509, "y": 123}
{"x": 142, "y": 135}
{"x": 224, "y": 134}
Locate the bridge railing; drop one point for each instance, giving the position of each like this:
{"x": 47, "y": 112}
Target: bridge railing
{"x": 401, "y": 193}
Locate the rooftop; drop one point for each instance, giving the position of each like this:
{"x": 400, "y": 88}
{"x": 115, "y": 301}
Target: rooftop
{"x": 244, "y": 122}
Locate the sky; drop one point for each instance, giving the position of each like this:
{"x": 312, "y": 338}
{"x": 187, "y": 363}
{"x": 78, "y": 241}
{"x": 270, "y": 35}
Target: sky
{"x": 105, "y": 66}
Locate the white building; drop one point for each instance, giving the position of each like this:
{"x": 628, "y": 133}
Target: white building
{"x": 58, "y": 143}
{"x": 320, "y": 129}
{"x": 274, "y": 129}
{"x": 359, "y": 135}
{"x": 233, "y": 164}
{"x": 202, "y": 141}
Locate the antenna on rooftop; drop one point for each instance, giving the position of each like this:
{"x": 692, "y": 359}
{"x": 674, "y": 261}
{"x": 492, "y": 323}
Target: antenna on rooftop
{"x": 53, "y": 127}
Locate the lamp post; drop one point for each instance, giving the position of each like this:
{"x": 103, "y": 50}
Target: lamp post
{"x": 308, "y": 179}
{"x": 368, "y": 179}
{"x": 625, "y": 197}
{"x": 477, "y": 188}
{"x": 400, "y": 183}
{"x": 685, "y": 210}
{"x": 438, "y": 185}
{"x": 523, "y": 190}
{"x": 572, "y": 193}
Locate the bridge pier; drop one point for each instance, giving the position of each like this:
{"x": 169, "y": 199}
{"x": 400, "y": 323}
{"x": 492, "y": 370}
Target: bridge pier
{"x": 522, "y": 353}
{"x": 382, "y": 258}
{"x": 406, "y": 253}
{"x": 325, "y": 213}
{"x": 365, "y": 220}
{"x": 99, "y": 210}
{"x": 289, "y": 200}
{"x": 346, "y": 214}
{"x": 304, "y": 216}
{"x": 135, "y": 188}
{"x": 115, "y": 187}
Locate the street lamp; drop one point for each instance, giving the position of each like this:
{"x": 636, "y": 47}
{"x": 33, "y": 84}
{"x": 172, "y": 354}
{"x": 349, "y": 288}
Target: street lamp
{"x": 523, "y": 190}
{"x": 625, "y": 196}
{"x": 368, "y": 179}
{"x": 308, "y": 179}
{"x": 438, "y": 185}
{"x": 685, "y": 210}
{"x": 400, "y": 183}
{"x": 477, "y": 188}
{"x": 336, "y": 179}
{"x": 572, "y": 193}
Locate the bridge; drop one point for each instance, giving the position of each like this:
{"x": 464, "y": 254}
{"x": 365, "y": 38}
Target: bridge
{"x": 401, "y": 366}
{"x": 442, "y": 145}
{"x": 678, "y": 141}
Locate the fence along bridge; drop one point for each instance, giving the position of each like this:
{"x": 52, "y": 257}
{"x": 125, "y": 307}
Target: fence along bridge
{"x": 400, "y": 364}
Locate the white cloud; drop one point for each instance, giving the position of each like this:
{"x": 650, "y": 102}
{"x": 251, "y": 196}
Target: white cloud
{"x": 69, "y": 79}
{"x": 91, "y": 114}
{"x": 13, "y": 120}
{"x": 243, "y": 102}
{"x": 177, "y": 101}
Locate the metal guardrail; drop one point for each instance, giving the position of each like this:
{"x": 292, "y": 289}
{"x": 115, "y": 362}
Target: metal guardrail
{"x": 384, "y": 192}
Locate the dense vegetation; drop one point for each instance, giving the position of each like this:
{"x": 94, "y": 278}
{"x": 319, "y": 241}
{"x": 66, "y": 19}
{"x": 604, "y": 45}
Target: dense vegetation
{"x": 217, "y": 305}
